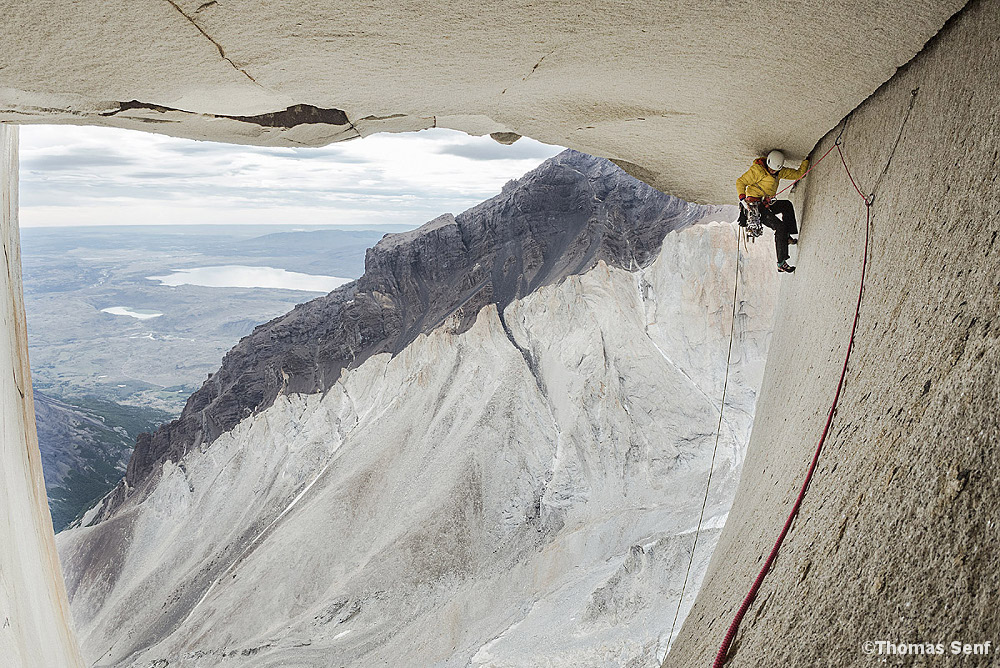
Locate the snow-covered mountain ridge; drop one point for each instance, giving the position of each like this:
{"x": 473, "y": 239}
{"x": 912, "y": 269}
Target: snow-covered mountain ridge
{"x": 516, "y": 485}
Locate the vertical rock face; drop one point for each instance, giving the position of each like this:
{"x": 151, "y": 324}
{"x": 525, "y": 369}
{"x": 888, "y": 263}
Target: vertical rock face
{"x": 500, "y": 463}
{"x": 896, "y": 539}
{"x": 35, "y": 628}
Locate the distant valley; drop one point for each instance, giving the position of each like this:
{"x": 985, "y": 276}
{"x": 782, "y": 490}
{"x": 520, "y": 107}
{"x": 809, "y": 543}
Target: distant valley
{"x": 85, "y": 446}
{"x": 98, "y": 325}
{"x": 115, "y": 353}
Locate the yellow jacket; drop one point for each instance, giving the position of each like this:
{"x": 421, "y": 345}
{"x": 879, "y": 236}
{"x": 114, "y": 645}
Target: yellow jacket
{"x": 758, "y": 182}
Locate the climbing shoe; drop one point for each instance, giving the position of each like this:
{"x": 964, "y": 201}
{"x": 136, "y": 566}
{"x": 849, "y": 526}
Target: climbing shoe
{"x": 792, "y": 241}
{"x": 786, "y": 268}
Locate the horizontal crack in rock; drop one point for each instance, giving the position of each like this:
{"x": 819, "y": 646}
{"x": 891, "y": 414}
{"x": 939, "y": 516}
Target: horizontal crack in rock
{"x": 135, "y": 104}
{"x": 383, "y": 118}
{"x": 297, "y": 114}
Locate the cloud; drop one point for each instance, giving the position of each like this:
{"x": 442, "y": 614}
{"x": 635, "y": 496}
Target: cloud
{"x": 72, "y": 174}
{"x": 491, "y": 150}
{"x": 326, "y": 153}
{"x": 155, "y": 175}
{"x": 70, "y": 160}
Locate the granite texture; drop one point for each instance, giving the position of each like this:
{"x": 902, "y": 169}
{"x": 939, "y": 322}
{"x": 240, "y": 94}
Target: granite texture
{"x": 897, "y": 538}
{"x": 681, "y": 94}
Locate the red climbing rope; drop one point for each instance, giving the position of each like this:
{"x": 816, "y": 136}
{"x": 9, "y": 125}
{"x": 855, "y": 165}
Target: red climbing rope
{"x": 720, "y": 658}
{"x": 792, "y": 184}
{"x": 853, "y": 182}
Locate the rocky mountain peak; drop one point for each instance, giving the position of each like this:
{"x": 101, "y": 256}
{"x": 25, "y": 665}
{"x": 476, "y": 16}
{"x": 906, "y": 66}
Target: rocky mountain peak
{"x": 560, "y": 219}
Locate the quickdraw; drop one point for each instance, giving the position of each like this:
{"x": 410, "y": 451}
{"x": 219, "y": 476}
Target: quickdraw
{"x": 750, "y": 219}
{"x": 755, "y": 227}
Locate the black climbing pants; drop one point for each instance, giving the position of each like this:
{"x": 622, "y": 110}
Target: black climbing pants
{"x": 783, "y": 227}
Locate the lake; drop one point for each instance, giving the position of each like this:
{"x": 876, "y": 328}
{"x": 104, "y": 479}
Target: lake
{"x": 239, "y": 276}
{"x": 138, "y": 313}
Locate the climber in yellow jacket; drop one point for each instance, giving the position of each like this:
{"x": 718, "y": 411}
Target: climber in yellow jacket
{"x": 758, "y": 187}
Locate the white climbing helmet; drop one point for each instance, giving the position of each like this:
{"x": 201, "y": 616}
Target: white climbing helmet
{"x": 775, "y": 160}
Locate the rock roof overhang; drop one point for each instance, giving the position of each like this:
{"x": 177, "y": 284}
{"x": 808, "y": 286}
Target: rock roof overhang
{"x": 682, "y": 94}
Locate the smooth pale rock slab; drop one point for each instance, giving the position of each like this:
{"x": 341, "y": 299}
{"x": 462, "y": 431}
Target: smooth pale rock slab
{"x": 897, "y": 538}
{"x": 681, "y": 94}
{"x": 35, "y": 624}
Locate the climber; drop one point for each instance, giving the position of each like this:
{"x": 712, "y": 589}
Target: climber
{"x": 758, "y": 187}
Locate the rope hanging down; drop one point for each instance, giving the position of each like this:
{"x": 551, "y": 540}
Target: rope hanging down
{"x": 720, "y": 658}
{"x": 740, "y": 234}
{"x": 711, "y": 469}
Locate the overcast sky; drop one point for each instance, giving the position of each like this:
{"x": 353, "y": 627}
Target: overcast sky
{"x": 103, "y": 176}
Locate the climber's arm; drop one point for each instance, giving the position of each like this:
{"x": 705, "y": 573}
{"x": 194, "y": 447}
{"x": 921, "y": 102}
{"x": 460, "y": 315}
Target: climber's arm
{"x": 794, "y": 174}
{"x": 743, "y": 182}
